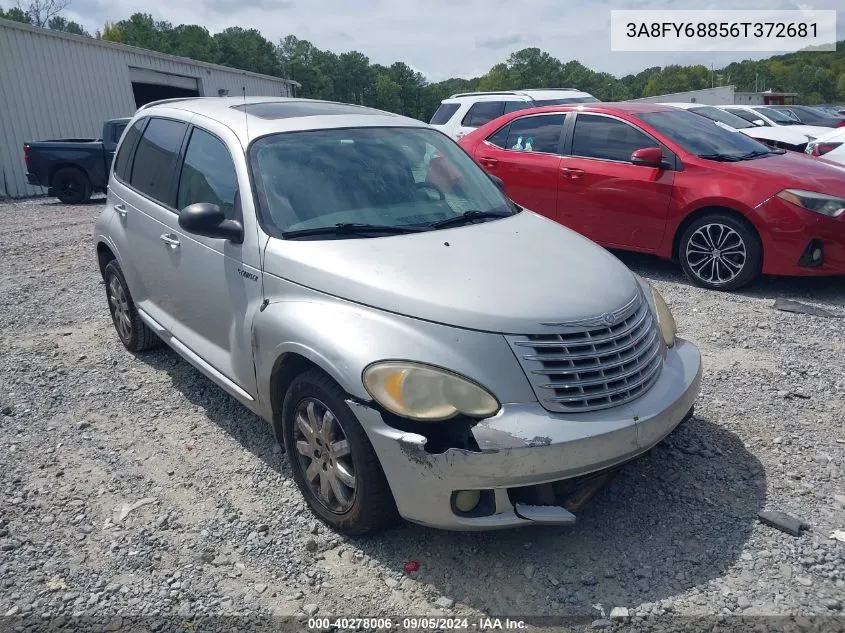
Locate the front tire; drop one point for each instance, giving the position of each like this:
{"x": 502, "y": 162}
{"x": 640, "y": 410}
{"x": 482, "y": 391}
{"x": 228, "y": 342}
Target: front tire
{"x": 131, "y": 329}
{"x": 334, "y": 465}
{"x": 71, "y": 186}
{"x": 720, "y": 252}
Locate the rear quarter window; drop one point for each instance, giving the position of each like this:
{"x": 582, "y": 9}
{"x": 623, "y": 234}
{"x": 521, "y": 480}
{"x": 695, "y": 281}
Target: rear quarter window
{"x": 124, "y": 153}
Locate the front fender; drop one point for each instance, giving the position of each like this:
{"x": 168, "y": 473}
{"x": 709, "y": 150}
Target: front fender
{"x": 342, "y": 338}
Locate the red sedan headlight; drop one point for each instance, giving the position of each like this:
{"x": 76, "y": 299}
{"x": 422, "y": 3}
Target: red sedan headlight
{"x": 831, "y": 206}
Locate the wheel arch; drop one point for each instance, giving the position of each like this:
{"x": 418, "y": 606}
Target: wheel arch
{"x": 287, "y": 366}
{"x": 709, "y": 210}
{"x": 54, "y": 169}
{"x": 104, "y": 256}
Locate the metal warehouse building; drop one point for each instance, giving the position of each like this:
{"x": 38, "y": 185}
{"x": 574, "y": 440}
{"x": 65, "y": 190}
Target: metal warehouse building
{"x": 57, "y": 85}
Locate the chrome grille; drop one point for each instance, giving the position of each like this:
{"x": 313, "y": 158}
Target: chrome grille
{"x": 588, "y": 366}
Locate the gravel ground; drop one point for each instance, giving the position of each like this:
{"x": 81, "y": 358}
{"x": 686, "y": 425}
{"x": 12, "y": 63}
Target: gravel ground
{"x": 87, "y": 430}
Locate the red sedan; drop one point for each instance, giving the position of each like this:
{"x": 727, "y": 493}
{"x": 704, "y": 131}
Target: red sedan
{"x": 661, "y": 180}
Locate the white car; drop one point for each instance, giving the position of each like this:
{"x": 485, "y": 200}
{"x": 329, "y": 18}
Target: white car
{"x": 831, "y": 146}
{"x": 461, "y": 113}
{"x": 763, "y": 116}
{"x": 780, "y": 137}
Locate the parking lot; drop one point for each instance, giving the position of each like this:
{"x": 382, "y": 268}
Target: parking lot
{"x": 88, "y": 430}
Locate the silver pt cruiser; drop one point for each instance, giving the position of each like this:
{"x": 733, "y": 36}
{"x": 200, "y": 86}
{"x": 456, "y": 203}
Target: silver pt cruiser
{"x": 422, "y": 346}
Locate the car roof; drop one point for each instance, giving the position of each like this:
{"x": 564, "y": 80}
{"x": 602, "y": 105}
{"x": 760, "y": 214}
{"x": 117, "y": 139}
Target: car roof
{"x": 686, "y": 105}
{"x": 602, "y": 107}
{"x": 490, "y": 96}
{"x": 253, "y": 117}
{"x": 516, "y": 95}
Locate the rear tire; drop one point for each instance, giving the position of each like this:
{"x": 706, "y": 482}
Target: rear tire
{"x": 71, "y": 186}
{"x": 720, "y": 252}
{"x": 333, "y": 463}
{"x": 131, "y": 329}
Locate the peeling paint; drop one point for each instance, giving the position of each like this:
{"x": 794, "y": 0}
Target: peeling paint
{"x": 539, "y": 441}
{"x": 414, "y": 450}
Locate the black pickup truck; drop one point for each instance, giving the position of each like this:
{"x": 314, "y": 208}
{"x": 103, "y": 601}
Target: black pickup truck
{"x": 73, "y": 168}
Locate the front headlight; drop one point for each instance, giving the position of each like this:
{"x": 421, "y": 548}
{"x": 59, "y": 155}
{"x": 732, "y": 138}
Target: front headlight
{"x": 424, "y": 392}
{"x": 665, "y": 320}
{"x": 830, "y": 206}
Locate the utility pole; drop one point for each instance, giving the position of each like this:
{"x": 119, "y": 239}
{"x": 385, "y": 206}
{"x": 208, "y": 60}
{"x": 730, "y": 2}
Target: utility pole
{"x": 756, "y": 89}
{"x": 712, "y": 78}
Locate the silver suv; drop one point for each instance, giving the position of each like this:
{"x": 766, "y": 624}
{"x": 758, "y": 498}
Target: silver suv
{"x": 421, "y": 346}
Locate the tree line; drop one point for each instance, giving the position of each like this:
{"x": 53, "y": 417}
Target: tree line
{"x": 817, "y": 77}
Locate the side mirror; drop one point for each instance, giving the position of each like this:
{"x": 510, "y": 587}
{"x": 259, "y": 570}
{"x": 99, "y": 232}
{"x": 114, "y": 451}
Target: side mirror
{"x": 497, "y": 181}
{"x": 648, "y": 157}
{"x": 208, "y": 220}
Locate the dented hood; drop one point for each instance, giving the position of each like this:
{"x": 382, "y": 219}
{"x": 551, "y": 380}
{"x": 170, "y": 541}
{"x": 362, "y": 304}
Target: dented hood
{"x": 507, "y": 275}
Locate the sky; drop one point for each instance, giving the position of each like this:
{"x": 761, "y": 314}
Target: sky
{"x": 441, "y": 38}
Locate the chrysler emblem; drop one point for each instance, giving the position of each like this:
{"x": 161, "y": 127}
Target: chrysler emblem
{"x": 606, "y": 319}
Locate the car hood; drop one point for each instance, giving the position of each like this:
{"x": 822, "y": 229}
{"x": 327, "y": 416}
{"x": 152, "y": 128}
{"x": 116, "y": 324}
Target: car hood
{"x": 807, "y": 130}
{"x": 796, "y": 170}
{"x": 835, "y": 134}
{"x": 508, "y": 275}
{"x": 780, "y": 134}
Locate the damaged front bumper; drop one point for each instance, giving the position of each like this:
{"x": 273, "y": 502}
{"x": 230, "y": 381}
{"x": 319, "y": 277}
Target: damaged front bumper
{"x": 525, "y": 445}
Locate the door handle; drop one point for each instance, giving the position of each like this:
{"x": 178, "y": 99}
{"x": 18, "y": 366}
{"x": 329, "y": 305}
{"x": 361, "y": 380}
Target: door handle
{"x": 488, "y": 162}
{"x": 571, "y": 172}
{"x": 171, "y": 240}
{"x": 121, "y": 210}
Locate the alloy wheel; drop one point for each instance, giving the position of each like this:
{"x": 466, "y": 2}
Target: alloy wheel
{"x": 324, "y": 455}
{"x": 69, "y": 188}
{"x": 120, "y": 308}
{"x": 716, "y": 254}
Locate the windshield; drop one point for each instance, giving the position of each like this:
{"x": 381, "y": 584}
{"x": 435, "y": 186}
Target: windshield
{"x": 715, "y": 114}
{"x": 778, "y": 117}
{"x": 377, "y": 176}
{"x": 788, "y": 113}
{"x": 701, "y": 136}
{"x": 811, "y": 115}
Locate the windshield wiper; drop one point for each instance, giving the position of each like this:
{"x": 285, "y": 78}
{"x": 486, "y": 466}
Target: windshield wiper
{"x": 725, "y": 158}
{"x": 469, "y": 216}
{"x": 761, "y": 152}
{"x": 351, "y": 228}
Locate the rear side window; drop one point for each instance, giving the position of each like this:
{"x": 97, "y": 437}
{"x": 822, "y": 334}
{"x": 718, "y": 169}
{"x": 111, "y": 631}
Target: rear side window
{"x": 500, "y": 137}
{"x": 608, "y": 139}
{"x": 536, "y": 134}
{"x": 564, "y": 100}
{"x": 444, "y": 113}
{"x": 155, "y": 159}
{"x": 124, "y": 154}
{"x": 513, "y": 106}
{"x": 483, "y": 112}
{"x": 208, "y": 174}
